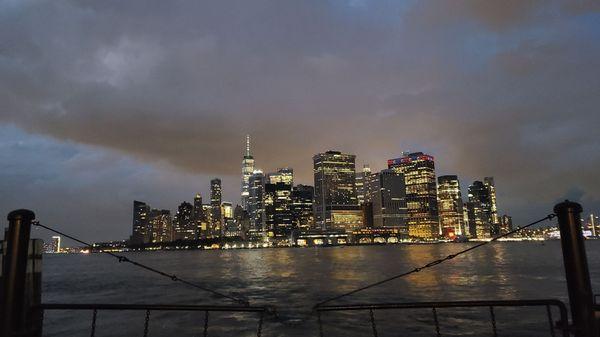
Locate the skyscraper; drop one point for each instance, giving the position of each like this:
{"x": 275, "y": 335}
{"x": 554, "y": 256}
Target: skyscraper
{"x": 387, "y": 196}
{"x": 161, "y": 224}
{"x": 480, "y": 210}
{"x": 302, "y": 207}
{"x": 55, "y": 247}
{"x": 256, "y": 207}
{"x": 278, "y": 215}
{"x": 199, "y": 217}
{"x": 363, "y": 185}
{"x": 185, "y": 226}
{"x": 450, "y": 206}
{"x": 495, "y": 220}
{"x": 215, "y": 206}
{"x": 421, "y": 193}
{"x": 335, "y": 190}
{"x": 247, "y": 169}
{"x": 141, "y": 232}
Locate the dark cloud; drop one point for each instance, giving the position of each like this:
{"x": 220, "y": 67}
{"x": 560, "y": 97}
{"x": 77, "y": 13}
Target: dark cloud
{"x": 507, "y": 88}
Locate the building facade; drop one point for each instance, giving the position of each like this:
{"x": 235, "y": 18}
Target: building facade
{"x": 302, "y": 207}
{"x": 335, "y": 190}
{"x": 141, "y": 232}
{"x": 215, "y": 206}
{"x": 256, "y": 206}
{"x": 387, "y": 196}
{"x": 183, "y": 222}
{"x": 479, "y": 211}
{"x": 247, "y": 170}
{"x": 421, "y": 193}
{"x": 450, "y": 206}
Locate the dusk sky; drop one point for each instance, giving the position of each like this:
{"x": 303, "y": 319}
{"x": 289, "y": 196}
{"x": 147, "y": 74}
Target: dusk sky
{"x": 104, "y": 102}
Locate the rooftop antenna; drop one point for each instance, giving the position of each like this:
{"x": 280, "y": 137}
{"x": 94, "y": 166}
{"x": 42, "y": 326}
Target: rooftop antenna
{"x": 247, "y": 145}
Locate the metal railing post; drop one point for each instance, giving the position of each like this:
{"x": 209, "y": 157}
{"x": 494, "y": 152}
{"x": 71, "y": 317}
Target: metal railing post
{"x": 576, "y": 269}
{"x": 14, "y": 267}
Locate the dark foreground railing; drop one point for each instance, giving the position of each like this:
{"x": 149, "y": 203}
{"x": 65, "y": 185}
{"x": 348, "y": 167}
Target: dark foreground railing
{"x": 149, "y": 308}
{"x": 560, "y": 326}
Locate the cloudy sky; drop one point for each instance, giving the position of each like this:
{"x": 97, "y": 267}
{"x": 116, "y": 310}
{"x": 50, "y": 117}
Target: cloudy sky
{"x": 103, "y": 102}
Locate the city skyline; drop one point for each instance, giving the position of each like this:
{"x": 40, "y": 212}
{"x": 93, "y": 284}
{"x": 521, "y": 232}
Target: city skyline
{"x": 123, "y": 109}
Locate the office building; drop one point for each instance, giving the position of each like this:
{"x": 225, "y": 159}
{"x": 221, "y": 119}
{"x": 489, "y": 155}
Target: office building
{"x": 421, "y": 193}
{"x": 335, "y": 190}
{"x": 450, "y": 206}
{"x": 55, "y": 247}
{"x": 495, "y": 221}
{"x": 302, "y": 207}
{"x": 215, "y": 206}
{"x": 282, "y": 175}
{"x": 247, "y": 170}
{"x": 184, "y": 224}
{"x": 363, "y": 185}
{"x": 387, "y": 196}
{"x": 161, "y": 225}
{"x": 256, "y": 207}
{"x": 479, "y": 211}
{"x": 277, "y": 204}
{"x": 142, "y": 232}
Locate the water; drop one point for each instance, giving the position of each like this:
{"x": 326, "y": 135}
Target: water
{"x": 294, "y": 279}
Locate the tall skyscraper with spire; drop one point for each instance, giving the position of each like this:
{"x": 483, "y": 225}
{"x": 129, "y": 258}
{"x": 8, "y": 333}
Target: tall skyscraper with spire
{"x": 247, "y": 169}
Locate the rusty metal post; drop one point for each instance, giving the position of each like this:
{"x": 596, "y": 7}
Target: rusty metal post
{"x": 12, "y": 319}
{"x": 576, "y": 269}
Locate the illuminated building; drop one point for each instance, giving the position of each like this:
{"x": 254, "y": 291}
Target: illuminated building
{"x": 277, "y": 203}
{"x": 205, "y": 230}
{"x": 242, "y": 220}
{"x": 215, "y": 206}
{"x": 479, "y": 211}
{"x": 199, "y": 217}
{"x": 506, "y": 224}
{"x": 161, "y": 224}
{"x": 141, "y": 227}
{"x": 347, "y": 220}
{"x": 363, "y": 185}
{"x": 335, "y": 178}
{"x": 55, "y": 247}
{"x": 302, "y": 207}
{"x": 283, "y": 175}
{"x": 184, "y": 224}
{"x": 256, "y": 207}
{"x": 495, "y": 221}
{"x": 388, "y": 199}
{"x": 247, "y": 170}
{"x": 450, "y": 206}
{"x": 421, "y": 193}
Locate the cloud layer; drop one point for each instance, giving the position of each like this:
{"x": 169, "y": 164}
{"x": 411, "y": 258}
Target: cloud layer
{"x": 509, "y": 89}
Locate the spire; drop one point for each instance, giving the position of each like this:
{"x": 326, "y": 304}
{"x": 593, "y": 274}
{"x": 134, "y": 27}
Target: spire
{"x": 247, "y": 146}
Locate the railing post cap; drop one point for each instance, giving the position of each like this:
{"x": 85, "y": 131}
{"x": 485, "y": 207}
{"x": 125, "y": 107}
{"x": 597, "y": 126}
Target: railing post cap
{"x": 21, "y": 214}
{"x": 565, "y": 205}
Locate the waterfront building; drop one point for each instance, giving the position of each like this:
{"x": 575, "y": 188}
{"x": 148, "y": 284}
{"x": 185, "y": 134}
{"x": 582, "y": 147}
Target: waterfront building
{"x": 215, "y": 206}
{"x": 387, "y": 196}
{"x": 495, "y": 220}
{"x": 480, "y": 212}
{"x": 277, "y": 205}
{"x": 335, "y": 190}
{"x": 55, "y": 247}
{"x": 206, "y": 224}
{"x": 302, "y": 207}
{"x": 247, "y": 170}
{"x": 363, "y": 185}
{"x": 161, "y": 225}
{"x": 346, "y": 220}
{"x": 198, "y": 217}
{"x": 184, "y": 225}
{"x": 141, "y": 232}
{"x": 256, "y": 207}
{"x": 506, "y": 224}
{"x": 450, "y": 206}
{"x": 421, "y": 193}
{"x": 242, "y": 220}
